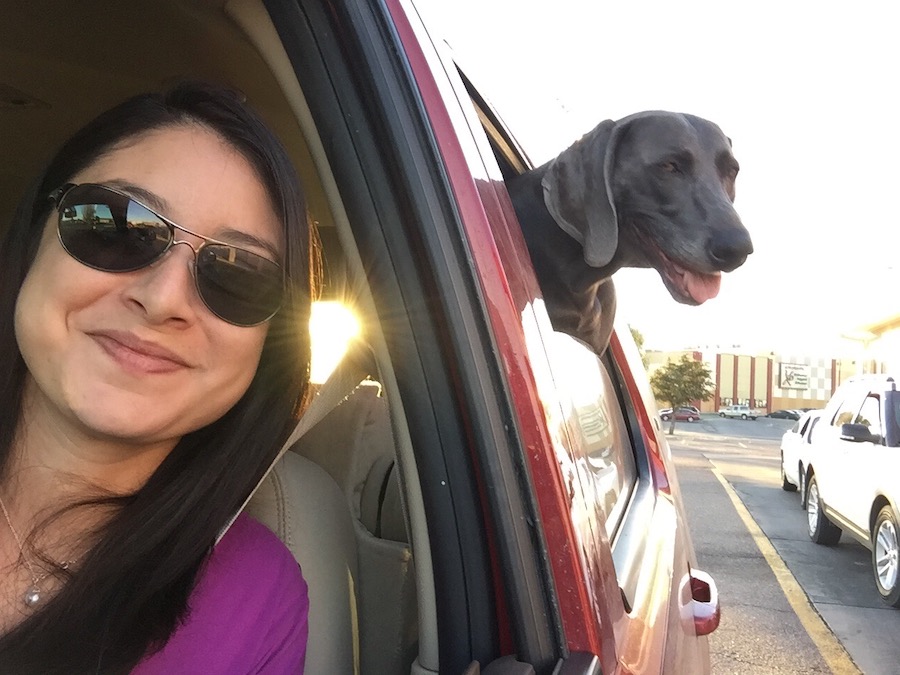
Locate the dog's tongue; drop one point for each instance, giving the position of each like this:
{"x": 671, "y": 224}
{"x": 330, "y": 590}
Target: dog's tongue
{"x": 702, "y": 287}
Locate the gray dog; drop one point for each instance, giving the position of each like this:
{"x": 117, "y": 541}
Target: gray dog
{"x": 654, "y": 189}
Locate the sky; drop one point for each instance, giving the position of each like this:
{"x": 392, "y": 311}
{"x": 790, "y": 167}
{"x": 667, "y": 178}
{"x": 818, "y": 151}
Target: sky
{"x": 807, "y": 91}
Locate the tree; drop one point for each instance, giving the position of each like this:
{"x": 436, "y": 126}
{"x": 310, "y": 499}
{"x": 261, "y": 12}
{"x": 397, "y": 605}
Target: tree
{"x": 639, "y": 341}
{"x": 682, "y": 382}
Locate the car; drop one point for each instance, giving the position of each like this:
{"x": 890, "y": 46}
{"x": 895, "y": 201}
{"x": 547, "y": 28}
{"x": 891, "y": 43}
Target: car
{"x": 796, "y": 445}
{"x": 683, "y": 414}
{"x": 852, "y": 475}
{"x": 492, "y": 495}
{"x": 690, "y": 408}
{"x": 739, "y": 411}
{"x": 784, "y": 414}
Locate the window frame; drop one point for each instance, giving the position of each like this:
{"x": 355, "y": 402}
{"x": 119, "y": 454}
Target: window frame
{"x": 484, "y": 536}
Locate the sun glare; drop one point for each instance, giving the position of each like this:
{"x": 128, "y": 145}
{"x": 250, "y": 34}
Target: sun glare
{"x": 331, "y": 326}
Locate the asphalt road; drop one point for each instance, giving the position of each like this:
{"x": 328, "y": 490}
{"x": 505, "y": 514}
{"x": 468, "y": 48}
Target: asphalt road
{"x": 788, "y": 605}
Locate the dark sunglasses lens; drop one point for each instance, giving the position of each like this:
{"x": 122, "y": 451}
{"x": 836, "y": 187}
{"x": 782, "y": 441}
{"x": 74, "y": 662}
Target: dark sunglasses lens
{"x": 109, "y": 231}
{"x": 238, "y": 286}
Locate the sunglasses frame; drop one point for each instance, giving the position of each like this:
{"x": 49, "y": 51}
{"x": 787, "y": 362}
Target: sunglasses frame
{"x": 57, "y": 196}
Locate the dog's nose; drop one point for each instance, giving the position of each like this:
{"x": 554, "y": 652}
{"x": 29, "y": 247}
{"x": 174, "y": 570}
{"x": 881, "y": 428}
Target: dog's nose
{"x": 728, "y": 251}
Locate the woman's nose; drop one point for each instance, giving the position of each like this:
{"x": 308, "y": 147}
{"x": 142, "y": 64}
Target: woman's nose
{"x": 165, "y": 292}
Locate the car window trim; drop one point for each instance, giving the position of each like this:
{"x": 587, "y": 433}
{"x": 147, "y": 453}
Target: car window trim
{"x": 344, "y": 123}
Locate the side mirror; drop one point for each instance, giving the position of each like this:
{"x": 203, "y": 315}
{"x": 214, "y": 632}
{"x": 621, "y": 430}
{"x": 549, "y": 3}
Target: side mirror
{"x": 892, "y": 418}
{"x": 859, "y": 433}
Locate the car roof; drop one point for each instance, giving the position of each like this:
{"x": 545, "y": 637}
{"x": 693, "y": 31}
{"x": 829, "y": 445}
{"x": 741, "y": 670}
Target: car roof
{"x": 809, "y": 414}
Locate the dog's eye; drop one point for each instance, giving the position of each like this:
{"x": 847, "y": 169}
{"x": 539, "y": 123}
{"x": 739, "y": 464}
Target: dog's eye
{"x": 670, "y": 167}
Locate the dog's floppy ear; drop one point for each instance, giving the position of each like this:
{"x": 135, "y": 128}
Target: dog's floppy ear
{"x": 578, "y": 193}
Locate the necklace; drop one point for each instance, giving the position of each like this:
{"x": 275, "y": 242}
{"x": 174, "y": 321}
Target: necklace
{"x": 33, "y": 594}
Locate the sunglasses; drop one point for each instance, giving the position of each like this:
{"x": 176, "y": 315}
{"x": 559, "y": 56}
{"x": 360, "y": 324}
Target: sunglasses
{"x": 111, "y": 231}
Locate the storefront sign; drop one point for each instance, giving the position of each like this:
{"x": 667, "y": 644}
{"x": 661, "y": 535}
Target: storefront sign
{"x": 793, "y": 376}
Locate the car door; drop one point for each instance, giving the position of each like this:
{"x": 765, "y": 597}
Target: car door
{"x": 840, "y": 409}
{"x": 400, "y": 166}
{"x": 808, "y": 444}
{"x": 862, "y": 463}
{"x": 790, "y": 449}
{"x": 834, "y": 455}
{"x": 621, "y": 529}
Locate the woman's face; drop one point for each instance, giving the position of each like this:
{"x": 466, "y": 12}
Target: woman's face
{"x": 137, "y": 356}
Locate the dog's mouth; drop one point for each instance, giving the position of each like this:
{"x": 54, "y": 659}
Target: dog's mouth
{"x": 688, "y": 286}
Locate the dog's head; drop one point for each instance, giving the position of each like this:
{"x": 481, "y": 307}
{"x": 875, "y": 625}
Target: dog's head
{"x": 654, "y": 189}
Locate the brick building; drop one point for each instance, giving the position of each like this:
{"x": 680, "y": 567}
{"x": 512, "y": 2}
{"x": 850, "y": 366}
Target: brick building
{"x": 771, "y": 381}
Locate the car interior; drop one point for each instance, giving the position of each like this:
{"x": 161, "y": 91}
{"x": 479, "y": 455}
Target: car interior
{"x": 391, "y": 590}
{"x": 345, "y": 499}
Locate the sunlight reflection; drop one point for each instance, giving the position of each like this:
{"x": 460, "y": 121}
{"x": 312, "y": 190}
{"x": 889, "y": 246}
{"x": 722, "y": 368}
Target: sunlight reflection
{"x": 331, "y": 326}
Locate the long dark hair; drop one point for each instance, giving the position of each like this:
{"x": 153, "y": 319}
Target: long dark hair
{"x": 131, "y": 590}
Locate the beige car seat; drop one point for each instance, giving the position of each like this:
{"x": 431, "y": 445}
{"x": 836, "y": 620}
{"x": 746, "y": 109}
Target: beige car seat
{"x": 301, "y": 503}
{"x": 335, "y": 501}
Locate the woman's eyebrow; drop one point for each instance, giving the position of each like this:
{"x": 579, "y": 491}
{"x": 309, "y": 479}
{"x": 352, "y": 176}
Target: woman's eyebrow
{"x": 239, "y": 238}
{"x": 157, "y": 203}
{"x": 151, "y": 199}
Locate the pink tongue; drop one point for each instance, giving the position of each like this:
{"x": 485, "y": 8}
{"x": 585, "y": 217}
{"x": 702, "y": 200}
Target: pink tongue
{"x": 701, "y": 287}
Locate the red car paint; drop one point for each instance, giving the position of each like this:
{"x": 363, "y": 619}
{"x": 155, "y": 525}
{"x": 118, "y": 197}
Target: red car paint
{"x": 658, "y": 633}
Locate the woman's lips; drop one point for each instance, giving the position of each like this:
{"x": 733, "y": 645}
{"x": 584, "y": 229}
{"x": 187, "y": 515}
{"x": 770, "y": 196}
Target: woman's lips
{"x": 136, "y": 355}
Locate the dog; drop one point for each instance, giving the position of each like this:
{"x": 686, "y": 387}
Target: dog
{"x": 654, "y": 189}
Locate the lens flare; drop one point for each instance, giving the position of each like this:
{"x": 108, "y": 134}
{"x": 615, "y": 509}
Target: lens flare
{"x": 332, "y": 325}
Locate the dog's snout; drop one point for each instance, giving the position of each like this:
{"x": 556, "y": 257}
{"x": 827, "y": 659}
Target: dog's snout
{"x": 728, "y": 251}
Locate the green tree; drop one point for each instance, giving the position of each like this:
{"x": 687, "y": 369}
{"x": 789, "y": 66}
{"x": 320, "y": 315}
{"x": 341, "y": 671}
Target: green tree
{"x": 682, "y": 382}
{"x": 639, "y": 341}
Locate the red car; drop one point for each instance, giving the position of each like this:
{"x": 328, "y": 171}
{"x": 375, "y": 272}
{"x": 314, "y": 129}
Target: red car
{"x": 493, "y": 493}
{"x": 681, "y": 415}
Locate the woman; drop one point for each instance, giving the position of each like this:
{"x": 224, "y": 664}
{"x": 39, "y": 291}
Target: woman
{"x": 146, "y": 387}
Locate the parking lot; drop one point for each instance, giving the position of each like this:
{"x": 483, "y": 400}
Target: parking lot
{"x": 789, "y": 605}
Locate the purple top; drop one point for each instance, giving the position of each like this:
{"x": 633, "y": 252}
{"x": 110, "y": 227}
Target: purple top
{"x": 247, "y": 614}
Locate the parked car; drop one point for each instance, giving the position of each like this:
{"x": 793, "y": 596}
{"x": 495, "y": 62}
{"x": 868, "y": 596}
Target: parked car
{"x": 796, "y": 446}
{"x": 683, "y": 414}
{"x": 852, "y": 477}
{"x": 739, "y": 411}
{"x": 692, "y": 408}
{"x": 505, "y": 496}
{"x": 784, "y": 414}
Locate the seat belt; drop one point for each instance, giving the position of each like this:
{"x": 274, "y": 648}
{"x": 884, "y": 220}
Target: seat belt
{"x": 353, "y": 368}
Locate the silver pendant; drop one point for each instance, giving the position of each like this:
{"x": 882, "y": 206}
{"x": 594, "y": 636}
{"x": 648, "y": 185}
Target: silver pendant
{"x": 32, "y": 596}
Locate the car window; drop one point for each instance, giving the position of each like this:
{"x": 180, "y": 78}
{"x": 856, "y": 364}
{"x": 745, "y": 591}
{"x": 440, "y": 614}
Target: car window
{"x": 599, "y": 444}
{"x": 870, "y": 414}
{"x": 846, "y": 413}
{"x": 812, "y": 427}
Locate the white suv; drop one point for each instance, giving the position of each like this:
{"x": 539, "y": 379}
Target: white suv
{"x": 853, "y": 477}
{"x": 742, "y": 411}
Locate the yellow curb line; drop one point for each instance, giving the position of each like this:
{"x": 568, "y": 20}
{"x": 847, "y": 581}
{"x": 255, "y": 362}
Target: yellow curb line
{"x": 836, "y": 657}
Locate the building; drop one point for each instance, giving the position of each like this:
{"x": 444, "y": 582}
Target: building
{"x": 775, "y": 381}
{"x": 770, "y": 381}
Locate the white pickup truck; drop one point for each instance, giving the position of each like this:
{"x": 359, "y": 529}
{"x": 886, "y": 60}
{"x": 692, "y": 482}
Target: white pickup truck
{"x": 852, "y": 479}
{"x": 742, "y": 411}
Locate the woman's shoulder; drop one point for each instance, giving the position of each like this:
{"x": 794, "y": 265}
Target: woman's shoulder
{"x": 250, "y": 571}
{"x": 249, "y": 543}
{"x": 249, "y": 609}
